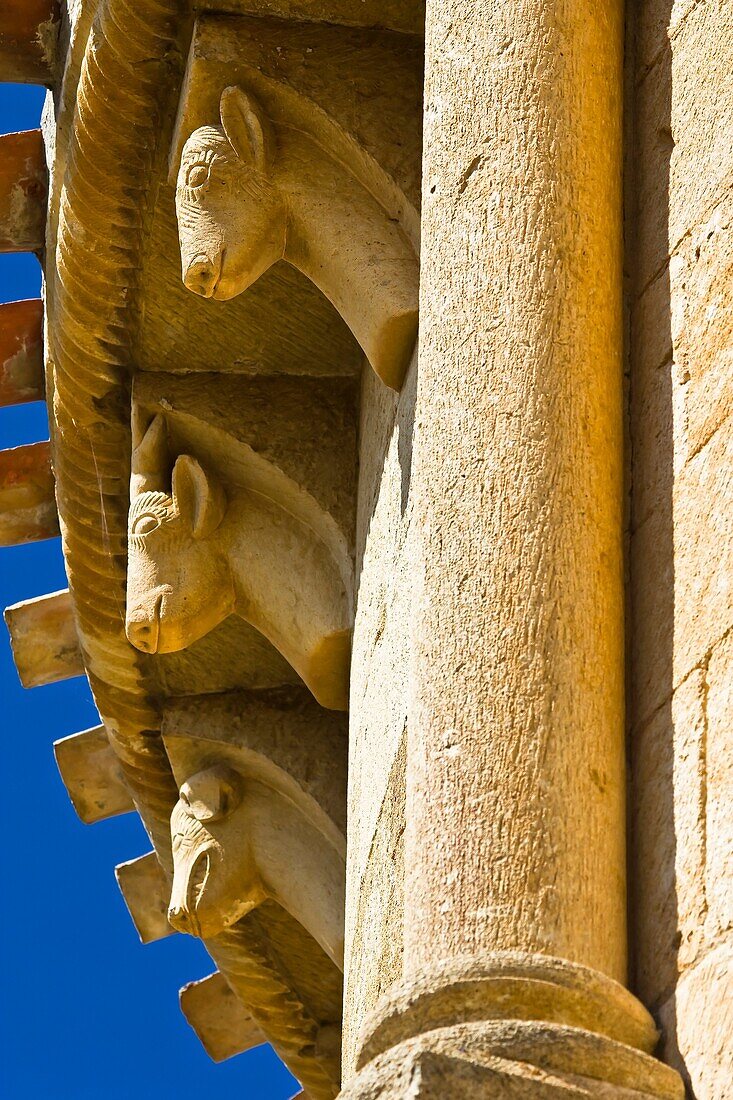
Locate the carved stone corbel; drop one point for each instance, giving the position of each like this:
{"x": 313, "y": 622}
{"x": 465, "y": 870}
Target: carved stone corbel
{"x": 250, "y": 824}
{"x": 199, "y": 552}
{"x": 258, "y": 839}
{"x": 284, "y": 168}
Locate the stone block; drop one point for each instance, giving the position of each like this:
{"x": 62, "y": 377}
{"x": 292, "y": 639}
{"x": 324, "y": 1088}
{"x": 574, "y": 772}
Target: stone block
{"x": 220, "y": 1020}
{"x": 658, "y": 24}
{"x": 703, "y": 558}
{"x": 682, "y": 373}
{"x": 697, "y": 1026}
{"x": 703, "y": 335}
{"x": 92, "y": 776}
{"x": 682, "y": 577}
{"x": 651, "y": 338}
{"x": 668, "y": 840}
{"x": 652, "y": 589}
{"x": 652, "y": 415}
{"x": 146, "y": 892}
{"x": 719, "y": 803}
{"x": 23, "y": 192}
{"x": 44, "y": 639}
{"x": 28, "y": 30}
{"x": 21, "y": 352}
{"x": 27, "y": 501}
{"x": 683, "y": 128}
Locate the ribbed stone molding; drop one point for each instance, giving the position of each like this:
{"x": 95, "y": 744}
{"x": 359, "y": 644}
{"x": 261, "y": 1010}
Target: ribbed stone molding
{"x": 508, "y": 985}
{"x": 510, "y": 1021}
{"x": 108, "y": 170}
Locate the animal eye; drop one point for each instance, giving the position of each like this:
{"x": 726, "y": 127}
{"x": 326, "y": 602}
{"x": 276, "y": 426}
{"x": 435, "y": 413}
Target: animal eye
{"x": 197, "y": 175}
{"x": 143, "y": 525}
{"x": 212, "y": 794}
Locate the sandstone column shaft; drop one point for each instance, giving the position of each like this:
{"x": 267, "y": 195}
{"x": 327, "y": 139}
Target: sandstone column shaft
{"x": 514, "y": 892}
{"x": 515, "y": 802}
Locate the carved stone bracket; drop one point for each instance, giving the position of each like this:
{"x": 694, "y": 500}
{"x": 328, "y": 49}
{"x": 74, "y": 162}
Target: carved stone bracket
{"x": 274, "y": 162}
{"x": 231, "y": 531}
{"x": 259, "y": 861}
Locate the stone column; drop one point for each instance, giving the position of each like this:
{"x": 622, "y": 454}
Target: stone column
{"x": 514, "y": 917}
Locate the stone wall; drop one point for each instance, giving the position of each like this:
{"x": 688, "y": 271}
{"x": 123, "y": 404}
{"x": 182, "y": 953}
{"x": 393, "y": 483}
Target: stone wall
{"x": 681, "y": 543}
{"x": 386, "y": 572}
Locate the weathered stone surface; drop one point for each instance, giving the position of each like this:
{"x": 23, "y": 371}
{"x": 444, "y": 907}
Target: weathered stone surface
{"x": 718, "y": 777}
{"x": 98, "y": 203}
{"x": 682, "y": 575}
{"x": 44, "y": 639}
{"x": 246, "y": 549}
{"x": 697, "y": 1025}
{"x": 512, "y": 1060}
{"x": 516, "y": 714}
{"x": 27, "y": 501}
{"x": 658, "y": 24}
{"x": 277, "y": 784}
{"x": 223, "y": 1025}
{"x": 682, "y": 531}
{"x": 145, "y": 890}
{"x": 267, "y": 816}
{"x": 92, "y": 775}
{"x": 486, "y": 745}
{"x": 685, "y": 121}
{"x": 21, "y": 352}
{"x": 28, "y": 31}
{"x": 399, "y": 15}
{"x": 23, "y": 192}
{"x": 503, "y": 986}
{"x": 683, "y": 359}
{"x": 668, "y": 840}
{"x": 386, "y": 567}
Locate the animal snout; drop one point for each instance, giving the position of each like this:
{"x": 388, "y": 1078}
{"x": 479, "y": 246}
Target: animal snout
{"x": 189, "y": 884}
{"x": 178, "y": 918}
{"x": 143, "y": 624}
{"x": 143, "y": 632}
{"x": 201, "y": 276}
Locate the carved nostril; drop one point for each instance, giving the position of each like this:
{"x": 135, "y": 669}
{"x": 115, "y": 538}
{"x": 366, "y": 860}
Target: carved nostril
{"x": 200, "y": 277}
{"x": 178, "y": 918}
{"x": 143, "y": 634}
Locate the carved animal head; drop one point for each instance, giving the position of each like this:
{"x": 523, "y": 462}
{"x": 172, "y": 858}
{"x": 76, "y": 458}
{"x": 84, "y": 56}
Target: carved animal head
{"x": 232, "y": 219}
{"x": 179, "y": 586}
{"x": 215, "y": 880}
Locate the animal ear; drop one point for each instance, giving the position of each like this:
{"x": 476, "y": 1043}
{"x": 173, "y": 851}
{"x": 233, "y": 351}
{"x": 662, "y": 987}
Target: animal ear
{"x": 197, "y": 496}
{"x": 247, "y": 128}
{"x": 149, "y": 453}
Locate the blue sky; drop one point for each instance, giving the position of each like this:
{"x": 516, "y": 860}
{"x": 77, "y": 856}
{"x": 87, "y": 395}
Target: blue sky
{"x": 86, "y": 1012}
